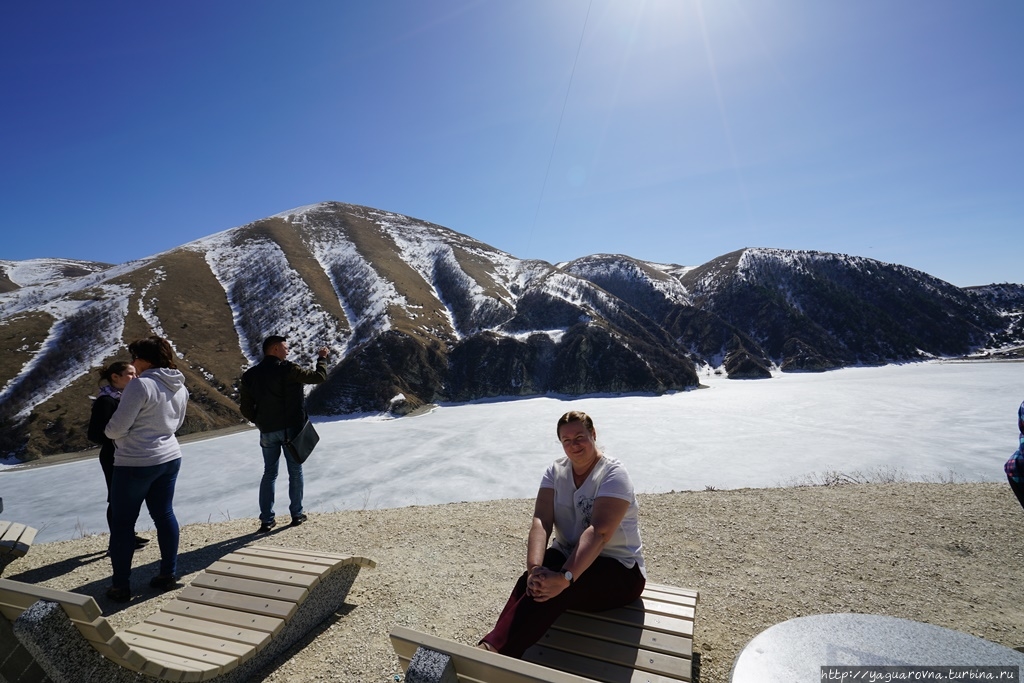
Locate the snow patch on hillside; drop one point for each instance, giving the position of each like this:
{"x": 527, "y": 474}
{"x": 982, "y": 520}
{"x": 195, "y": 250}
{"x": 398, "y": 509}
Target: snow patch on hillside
{"x": 267, "y": 296}
{"x": 302, "y": 211}
{"x": 45, "y": 270}
{"x": 83, "y": 335}
{"x": 433, "y": 258}
{"x": 364, "y": 295}
{"x": 36, "y": 296}
{"x": 148, "y": 307}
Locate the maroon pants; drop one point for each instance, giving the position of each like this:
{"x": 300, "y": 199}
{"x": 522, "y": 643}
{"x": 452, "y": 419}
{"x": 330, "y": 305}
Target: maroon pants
{"x": 607, "y": 583}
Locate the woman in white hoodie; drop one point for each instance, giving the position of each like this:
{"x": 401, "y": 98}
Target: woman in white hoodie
{"x": 146, "y": 462}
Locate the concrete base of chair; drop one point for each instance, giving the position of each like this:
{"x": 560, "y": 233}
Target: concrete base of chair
{"x": 16, "y": 663}
{"x": 67, "y": 657}
{"x": 428, "y": 666}
{"x": 60, "y": 650}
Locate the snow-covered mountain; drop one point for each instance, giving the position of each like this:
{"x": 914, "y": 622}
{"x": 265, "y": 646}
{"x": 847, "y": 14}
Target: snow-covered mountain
{"x": 416, "y": 313}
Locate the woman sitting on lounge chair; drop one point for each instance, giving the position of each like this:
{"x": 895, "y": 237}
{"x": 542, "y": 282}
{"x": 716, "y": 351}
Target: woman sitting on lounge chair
{"x": 594, "y": 562}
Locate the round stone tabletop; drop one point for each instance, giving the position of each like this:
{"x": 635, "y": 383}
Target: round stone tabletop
{"x": 796, "y": 650}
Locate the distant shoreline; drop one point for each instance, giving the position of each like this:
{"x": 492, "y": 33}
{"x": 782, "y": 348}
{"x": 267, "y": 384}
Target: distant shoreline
{"x": 62, "y": 458}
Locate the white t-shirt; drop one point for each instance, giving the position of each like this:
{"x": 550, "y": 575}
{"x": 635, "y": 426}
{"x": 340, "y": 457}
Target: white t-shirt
{"x": 574, "y": 508}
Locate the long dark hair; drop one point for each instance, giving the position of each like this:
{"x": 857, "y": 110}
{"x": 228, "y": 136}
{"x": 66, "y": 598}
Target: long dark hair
{"x": 116, "y": 368}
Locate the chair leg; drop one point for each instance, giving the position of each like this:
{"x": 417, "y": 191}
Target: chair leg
{"x": 428, "y": 666}
{"x": 62, "y": 652}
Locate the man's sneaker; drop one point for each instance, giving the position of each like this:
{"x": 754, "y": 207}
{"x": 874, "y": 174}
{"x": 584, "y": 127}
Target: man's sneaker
{"x": 119, "y": 594}
{"x": 164, "y": 583}
{"x": 266, "y": 526}
{"x": 300, "y": 519}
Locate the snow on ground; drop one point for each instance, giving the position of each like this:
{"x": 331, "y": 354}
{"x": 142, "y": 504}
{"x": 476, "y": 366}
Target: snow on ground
{"x": 42, "y": 270}
{"x": 930, "y": 421}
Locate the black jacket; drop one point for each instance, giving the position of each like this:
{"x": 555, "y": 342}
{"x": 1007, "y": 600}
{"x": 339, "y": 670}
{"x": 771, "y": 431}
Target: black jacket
{"x": 102, "y": 408}
{"x": 271, "y": 393}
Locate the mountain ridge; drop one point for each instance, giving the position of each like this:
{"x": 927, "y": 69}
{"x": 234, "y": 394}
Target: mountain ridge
{"x": 417, "y": 313}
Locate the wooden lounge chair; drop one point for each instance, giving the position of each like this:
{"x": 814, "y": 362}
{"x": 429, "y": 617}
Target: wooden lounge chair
{"x": 227, "y": 624}
{"x": 15, "y": 541}
{"x": 649, "y": 641}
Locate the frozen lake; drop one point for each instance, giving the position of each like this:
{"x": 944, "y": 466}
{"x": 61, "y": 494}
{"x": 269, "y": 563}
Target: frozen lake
{"x": 928, "y": 421}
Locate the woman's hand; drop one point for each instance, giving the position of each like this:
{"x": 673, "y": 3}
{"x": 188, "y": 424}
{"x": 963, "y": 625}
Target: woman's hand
{"x": 542, "y": 584}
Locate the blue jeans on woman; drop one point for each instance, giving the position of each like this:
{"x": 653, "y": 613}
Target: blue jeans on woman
{"x": 272, "y": 444}
{"x": 130, "y": 486}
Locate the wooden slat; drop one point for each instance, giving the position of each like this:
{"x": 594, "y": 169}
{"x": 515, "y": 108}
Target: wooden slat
{"x": 134, "y": 662}
{"x": 11, "y": 534}
{"x": 243, "y": 603}
{"x": 654, "y": 622}
{"x": 592, "y": 669}
{"x": 475, "y": 664}
{"x": 256, "y": 622}
{"x": 670, "y": 609}
{"x": 116, "y": 650}
{"x": 248, "y": 571}
{"x": 584, "y": 624}
{"x": 77, "y": 606}
{"x": 663, "y": 588}
{"x": 261, "y": 589}
{"x": 98, "y": 631}
{"x": 333, "y": 557}
{"x": 202, "y": 641}
{"x": 272, "y": 562}
{"x": 25, "y": 540}
{"x": 16, "y": 539}
{"x": 288, "y": 556}
{"x": 200, "y": 658}
{"x": 172, "y": 668}
{"x": 630, "y": 656}
{"x": 245, "y": 636}
{"x": 668, "y": 599}
{"x": 4, "y": 526}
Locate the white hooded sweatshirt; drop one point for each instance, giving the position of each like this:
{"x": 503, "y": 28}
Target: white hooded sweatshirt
{"x": 151, "y": 410}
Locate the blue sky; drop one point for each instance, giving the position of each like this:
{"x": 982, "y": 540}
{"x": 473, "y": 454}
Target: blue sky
{"x": 672, "y": 131}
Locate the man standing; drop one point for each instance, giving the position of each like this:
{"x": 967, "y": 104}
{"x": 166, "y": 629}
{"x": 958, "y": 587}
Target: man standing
{"x": 272, "y": 397}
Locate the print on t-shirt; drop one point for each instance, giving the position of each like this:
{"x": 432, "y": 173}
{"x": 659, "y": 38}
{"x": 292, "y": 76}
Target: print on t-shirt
{"x": 586, "y": 506}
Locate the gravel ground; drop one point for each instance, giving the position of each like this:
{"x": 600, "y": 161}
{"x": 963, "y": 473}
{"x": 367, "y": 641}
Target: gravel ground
{"x": 946, "y": 554}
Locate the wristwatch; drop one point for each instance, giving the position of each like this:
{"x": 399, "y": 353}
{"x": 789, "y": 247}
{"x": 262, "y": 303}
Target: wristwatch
{"x": 568, "y": 577}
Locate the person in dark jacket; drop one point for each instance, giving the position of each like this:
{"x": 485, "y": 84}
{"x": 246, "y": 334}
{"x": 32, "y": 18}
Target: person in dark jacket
{"x": 116, "y": 375}
{"x": 272, "y": 397}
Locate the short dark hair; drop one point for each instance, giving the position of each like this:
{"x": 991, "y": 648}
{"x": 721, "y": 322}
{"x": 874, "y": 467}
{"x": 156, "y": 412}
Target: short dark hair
{"x": 272, "y": 341}
{"x": 156, "y": 351}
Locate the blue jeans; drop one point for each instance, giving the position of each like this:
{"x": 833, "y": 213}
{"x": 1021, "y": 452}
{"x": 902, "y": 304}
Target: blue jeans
{"x": 129, "y": 487}
{"x": 272, "y": 444}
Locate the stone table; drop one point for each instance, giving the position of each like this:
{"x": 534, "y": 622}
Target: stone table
{"x": 796, "y": 650}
